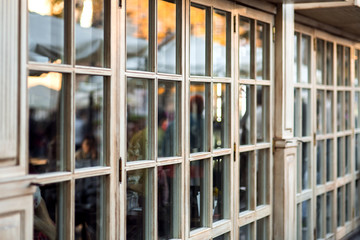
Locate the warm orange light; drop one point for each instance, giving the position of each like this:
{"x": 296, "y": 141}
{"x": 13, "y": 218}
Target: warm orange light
{"x": 50, "y": 80}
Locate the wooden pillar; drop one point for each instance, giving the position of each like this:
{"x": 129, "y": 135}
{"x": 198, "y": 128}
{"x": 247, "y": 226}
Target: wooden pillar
{"x": 284, "y": 202}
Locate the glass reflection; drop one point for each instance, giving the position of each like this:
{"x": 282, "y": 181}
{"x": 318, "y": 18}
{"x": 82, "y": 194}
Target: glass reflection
{"x": 305, "y": 220}
{"x": 306, "y": 59}
{"x": 319, "y": 162}
{"x": 167, "y": 36}
{"x": 47, "y": 100}
{"x": 245, "y": 181}
{"x": 329, "y": 111}
{"x": 296, "y": 55}
{"x": 347, "y": 202}
{"x": 245, "y": 49}
{"x": 306, "y": 112}
{"x": 198, "y": 111}
{"x": 347, "y": 110}
{"x": 89, "y": 32}
{"x": 329, "y": 212}
{"x": 198, "y": 193}
{"x": 340, "y": 61}
{"x": 357, "y": 195}
{"x": 319, "y": 217}
{"x": 297, "y": 118}
{"x": 340, "y": 108}
{"x": 245, "y": 111}
{"x": 357, "y": 109}
{"x": 262, "y": 113}
{"x": 89, "y": 121}
{"x": 340, "y": 205}
{"x": 357, "y": 68}
{"x": 168, "y": 118}
{"x": 220, "y": 50}
{"x": 139, "y": 107}
{"x": 320, "y": 111}
{"x": 305, "y": 165}
{"x": 340, "y": 154}
{"x": 139, "y": 210}
{"x": 49, "y": 212}
{"x": 245, "y": 232}
{"x": 320, "y": 66}
{"x": 225, "y": 236}
{"x": 137, "y": 35}
{"x": 261, "y": 51}
{"x": 221, "y": 118}
{"x": 329, "y": 159}
{"x": 347, "y": 66}
{"x": 46, "y": 36}
{"x": 221, "y": 181}
{"x": 329, "y": 63}
{"x": 262, "y": 163}
{"x": 169, "y": 203}
{"x": 89, "y": 209}
{"x": 198, "y": 65}
{"x": 347, "y": 154}
{"x": 262, "y": 229}
{"x": 357, "y": 152}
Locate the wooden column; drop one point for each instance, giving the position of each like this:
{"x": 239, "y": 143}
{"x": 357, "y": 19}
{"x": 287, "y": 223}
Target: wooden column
{"x": 284, "y": 202}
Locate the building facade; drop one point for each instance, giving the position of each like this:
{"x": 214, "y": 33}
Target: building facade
{"x": 179, "y": 119}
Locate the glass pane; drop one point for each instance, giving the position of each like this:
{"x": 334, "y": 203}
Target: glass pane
{"x": 198, "y": 193}
{"x": 329, "y": 63}
{"x": 137, "y": 35}
{"x": 221, "y": 115}
{"x": 329, "y": 212}
{"x": 262, "y": 113}
{"x": 357, "y": 109}
{"x": 347, "y": 66}
{"x": 225, "y": 236}
{"x": 89, "y": 121}
{"x": 245, "y": 48}
{"x": 306, "y": 112}
{"x": 297, "y": 107}
{"x": 319, "y": 217}
{"x": 139, "y": 200}
{"x": 329, "y": 160}
{"x": 306, "y": 59}
{"x": 90, "y": 207}
{"x": 305, "y": 220}
{"x": 139, "y": 108}
{"x": 340, "y": 61}
{"x": 221, "y": 185}
{"x": 296, "y": 56}
{"x": 299, "y": 176}
{"x": 245, "y": 181}
{"x": 347, "y": 154}
{"x": 262, "y": 176}
{"x": 169, "y": 201}
{"x": 298, "y": 221}
{"x": 47, "y": 116}
{"x": 320, "y": 162}
{"x": 357, "y": 68}
{"x": 221, "y": 53}
{"x": 306, "y": 165}
{"x": 357, "y": 152}
{"x": 199, "y": 108}
{"x": 347, "y": 110}
{"x": 262, "y": 40}
{"x": 167, "y": 37}
{"x": 198, "y": 54}
{"x": 169, "y": 108}
{"x": 357, "y": 195}
{"x": 340, "y": 154}
{"x": 347, "y": 202}
{"x": 329, "y": 111}
{"x": 340, "y": 108}
{"x": 49, "y": 212}
{"x": 46, "y": 35}
{"x": 320, "y": 66}
{"x": 340, "y": 207}
{"x": 320, "y": 111}
{"x": 89, "y": 32}
{"x": 245, "y": 232}
{"x": 262, "y": 229}
{"x": 246, "y": 127}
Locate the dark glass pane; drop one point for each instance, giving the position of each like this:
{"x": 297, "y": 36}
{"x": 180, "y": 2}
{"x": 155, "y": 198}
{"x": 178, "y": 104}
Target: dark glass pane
{"x": 262, "y": 113}
{"x": 245, "y": 49}
{"x": 306, "y": 59}
{"x": 139, "y": 108}
{"x": 89, "y": 32}
{"x": 262, "y": 40}
{"x": 329, "y": 159}
{"x": 340, "y": 207}
{"x": 319, "y": 217}
{"x": 90, "y": 208}
{"x": 347, "y": 202}
{"x": 357, "y": 195}
{"x": 306, "y": 112}
{"x": 340, "y": 61}
{"x": 357, "y": 109}
{"x": 306, "y": 153}
{"x": 139, "y": 209}
{"x": 225, "y": 236}
{"x": 347, "y": 154}
{"x": 305, "y": 220}
{"x": 89, "y": 121}
{"x": 47, "y": 116}
{"x": 167, "y": 38}
{"x": 329, "y": 63}
{"x": 245, "y": 181}
{"x": 198, "y": 114}
{"x": 49, "y": 212}
{"x": 340, "y": 111}
{"x": 137, "y": 35}
{"x": 169, "y": 97}
{"x": 221, "y": 115}
{"x": 320, "y": 66}
{"x": 198, "y": 54}
{"x": 357, "y": 152}
{"x": 245, "y": 232}
{"x": 340, "y": 154}
{"x": 245, "y": 112}
{"x": 357, "y": 68}
{"x": 320, "y": 162}
{"x": 329, "y": 212}
{"x": 198, "y": 193}
{"x": 297, "y": 107}
{"x": 347, "y": 66}
{"x": 320, "y": 111}
{"x": 262, "y": 226}
{"x": 169, "y": 201}
{"x": 329, "y": 111}
{"x": 46, "y": 31}
{"x": 262, "y": 176}
{"x": 221, "y": 184}
{"x": 347, "y": 110}
{"x": 221, "y": 53}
